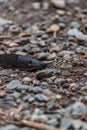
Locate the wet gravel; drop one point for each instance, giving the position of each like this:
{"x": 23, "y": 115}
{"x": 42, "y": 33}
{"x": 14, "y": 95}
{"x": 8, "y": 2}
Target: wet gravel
{"x": 57, "y": 95}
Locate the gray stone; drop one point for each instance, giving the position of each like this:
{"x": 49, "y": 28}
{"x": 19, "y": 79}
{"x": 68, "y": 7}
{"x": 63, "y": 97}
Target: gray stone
{"x": 15, "y": 95}
{"x": 31, "y": 99}
{"x": 85, "y": 74}
{"x": 41, "y": 98}
{"x": 26, "y": 97}
{"x": 59, "y": 81}
{"x": 9, "y": 97}
{"x": 1, "y": 29}
{"x": 44, "y": 85}
{"x": 23, "y": 87}
{"x": 51, "y": 56}
{"x": 38, "y": 111}
{"x": 44, "y": 36}
{"x": 77, "y": 109}
{"x": 9, "y": 127}
{"x": 78, "y": 124}
{"x": 1, "y": 52}
{"x": 19, "y": 101}
{"x": 36, "y": 5}
{"x": 74, "y": 24}
{"x": 59, "y": 3}
{"x": 42, "y": 44}
{"x": 16, "y": 84}
{"x": 53, "y": 122}
{"x": 6, "y": 72}
{"x": 42, "y": 55}
{"x": 65, "y": 123}
{"x": 22, "y": 40}
{"x": 26, "y": 80}
{"x": 51, "y": 104}
{"x": 73, "y": 32}
{"x": 46, "y": 73}
{"x": 4, "y": 22}
{"x": 40, "y": 118}
{"x": 45, "y": 5}
{"x": 26, "y": 112}
{"x": 13, "y": 84}
{"x": 36, "y": 90}
{"x": 3, "y": 1}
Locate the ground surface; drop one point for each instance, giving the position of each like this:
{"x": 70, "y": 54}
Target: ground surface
{"x": 54, "y": 96}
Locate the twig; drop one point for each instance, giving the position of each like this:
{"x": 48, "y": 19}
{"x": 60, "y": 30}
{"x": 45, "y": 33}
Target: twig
{"x": 31, "y": 124}
{"x": 38, "y": 126}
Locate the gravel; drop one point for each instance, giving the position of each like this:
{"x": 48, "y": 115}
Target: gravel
{"x": 55, "y": 95}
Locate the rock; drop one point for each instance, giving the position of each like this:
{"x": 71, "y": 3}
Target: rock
{"x": 51, "y": 104}
{"x": 51, "y": 56}
{"x": 64, "y": 52}
{"x": 81, "y": 37}
{"x": 6, "y": 72}
{"x": 26, "y": 113}
{"x": 36, "y": 5}
{"x": 22, "y": 40}
{"x": 74, "y": 32}
{"x": 77, "y": 124}
{"x": 8, "y": 97}
{"x": 44, "y": 85}
{"x": 53, "y": 122}
{"x": 19, "y": 101}
{"x": 41, "y": 98}
{"x": 20, "y": 53}
{"x": 46, "y": 73}
{"x": 60, "y": 12}
{"x": 37, "y": 111}
{"x": 85, "y": 74}
{"x": 59, "y": 3}
{"x": 75, "y": 24}
{"x": 65, "y": 123}
{"x": 26, "y": 97}
{"x": 42, "y": 44}
{"x": 36, "y": 90}
{"x": 2, "y": 29}
{"x": 13, "y": 85}
{"x": 42, "y": 56}
{"x": 15, "y": 95}
{"x": 31, "y": 99}
{"x": 1, "y": 52}
{"x": 16, "y": 85}
{"x": 77, "y": 109}
{"x": 0, "y": 82}
{"x": 23, "y": 87}
{"x": 40, "y": 118}
{"x": 81, "y": 50}
{"x": 36, "y": 82}
{"x": 26, "y": 80}
{"x": 4, "y": 22}
{"x": 44, "y": 36}
{"x": 45, "y": 5}
{"x": 9, "y": 127}
{"x": 59, "y": 81}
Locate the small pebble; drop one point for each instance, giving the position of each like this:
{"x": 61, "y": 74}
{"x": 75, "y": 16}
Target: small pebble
{"x": 41, "y": 98}
{"x": 51, "y": 56}
{"x": 26, "y": 80}
{"x": 58, "y": 3}
{"x": 36, "y": 5}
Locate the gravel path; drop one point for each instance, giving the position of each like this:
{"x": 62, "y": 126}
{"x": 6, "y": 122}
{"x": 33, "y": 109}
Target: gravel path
{"x": 53, "y": 98}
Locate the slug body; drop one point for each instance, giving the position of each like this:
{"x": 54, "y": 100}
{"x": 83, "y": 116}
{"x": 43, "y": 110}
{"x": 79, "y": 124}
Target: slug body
{"x": 14, "y": 61}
